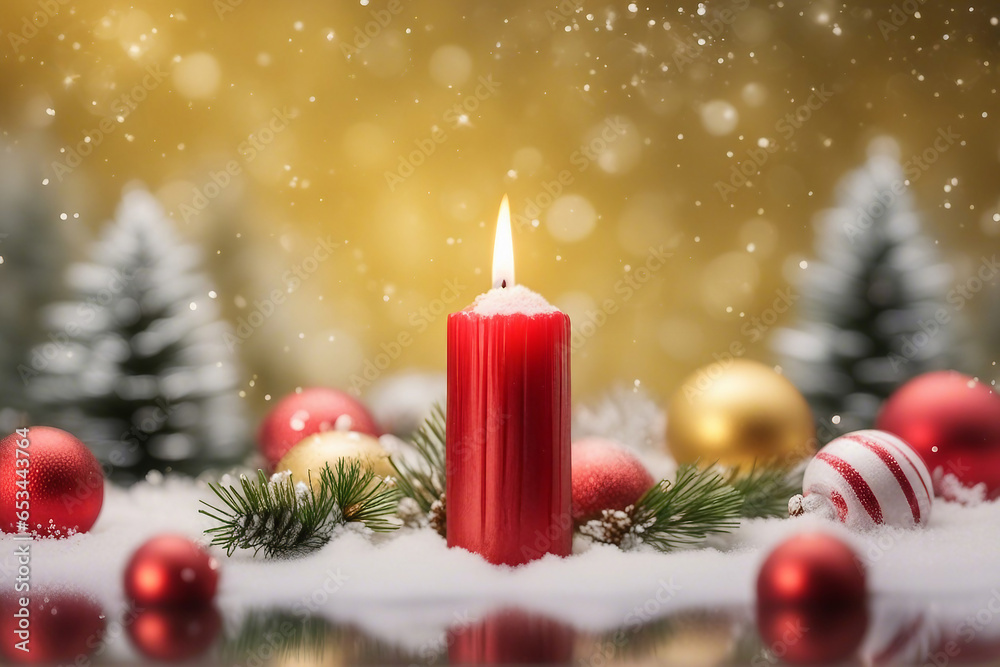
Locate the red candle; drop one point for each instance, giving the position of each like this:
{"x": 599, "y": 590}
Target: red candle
{"x": 508, "y": 430}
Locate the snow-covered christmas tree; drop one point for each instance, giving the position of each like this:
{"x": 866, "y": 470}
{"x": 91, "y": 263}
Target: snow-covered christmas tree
{"x": 142, "y": 373}
{"x": 870, "y": 310}
{"x": 31, "y": 259}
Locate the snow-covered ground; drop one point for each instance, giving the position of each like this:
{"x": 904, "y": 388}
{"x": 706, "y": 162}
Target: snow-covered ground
{"x": 377, "y": 583}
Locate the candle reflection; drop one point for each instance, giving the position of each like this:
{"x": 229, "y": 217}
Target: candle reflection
{"x": 512, "y": 636}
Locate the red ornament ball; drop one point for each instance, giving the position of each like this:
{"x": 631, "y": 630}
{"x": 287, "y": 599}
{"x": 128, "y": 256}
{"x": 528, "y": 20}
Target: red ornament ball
{"x": 812, "y": 600}
{"x": 606, "y": 476}
{"x": 811, "y": 569}
{"x": 171, "y": 571}
{"x": 53, "y": 477}
{"x": 309, "y": 411}
{"x": 171, "y": 634}
{"x": 953, "y": 422}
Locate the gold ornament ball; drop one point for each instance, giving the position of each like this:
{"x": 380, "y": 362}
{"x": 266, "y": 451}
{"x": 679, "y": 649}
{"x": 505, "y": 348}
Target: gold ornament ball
{"x": 737, "y": 414}
{"x": 328, "y": 447}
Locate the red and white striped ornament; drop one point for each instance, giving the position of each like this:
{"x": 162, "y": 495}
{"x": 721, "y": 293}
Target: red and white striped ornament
{"x": 867, "y": 479}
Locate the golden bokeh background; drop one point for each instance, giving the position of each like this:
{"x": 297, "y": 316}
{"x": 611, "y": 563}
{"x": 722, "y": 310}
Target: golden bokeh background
{"x": 484, "y": 98}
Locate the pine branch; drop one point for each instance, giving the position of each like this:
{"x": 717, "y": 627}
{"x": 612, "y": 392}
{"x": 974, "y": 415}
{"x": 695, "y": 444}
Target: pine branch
{"x": 364, "y": 497}
{"x": 697, "y": 504}
{"x": 285, "y": 519}
{"x": 423, "y": 479}
{"x": 766, "y": 491}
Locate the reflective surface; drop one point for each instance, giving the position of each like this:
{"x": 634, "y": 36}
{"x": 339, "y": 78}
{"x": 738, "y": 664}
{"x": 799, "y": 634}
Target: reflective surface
{"x": 69, "y": 628}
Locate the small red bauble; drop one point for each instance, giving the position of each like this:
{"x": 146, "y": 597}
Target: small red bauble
{"x": 174, "y": 634}
{"x": 812, "y": 600}
{"x": 171, "y": 571}
{"x": 606, "y": 476}
{"x": 811, "y": 569}
{"x": 953, "y": 422}
{"x": 60, "y": 483}
{"x": 63, "y": 627}
{"x": 309, "y": 411}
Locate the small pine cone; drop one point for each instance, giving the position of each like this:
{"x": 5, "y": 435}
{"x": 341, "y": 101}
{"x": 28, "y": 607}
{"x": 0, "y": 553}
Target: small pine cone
{"x": 437, "y": 517}
{"x": 612, "y": 528}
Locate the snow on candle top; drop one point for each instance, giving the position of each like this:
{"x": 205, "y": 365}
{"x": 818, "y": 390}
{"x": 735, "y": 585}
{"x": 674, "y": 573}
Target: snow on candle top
{"x": 511, "y": 300}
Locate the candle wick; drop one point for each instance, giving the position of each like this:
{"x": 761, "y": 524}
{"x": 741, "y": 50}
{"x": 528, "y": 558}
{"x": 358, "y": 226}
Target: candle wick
{"x": 503, "y": 284}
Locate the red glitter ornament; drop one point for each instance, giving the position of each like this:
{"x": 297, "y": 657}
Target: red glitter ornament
{"x": 953, "y": 422}
{"x": 309, "y": 411}
{"x": 812, "y": 600}
{"x": 606, "y": 476}
{"x": 173, "y": 634}
{"x": 171, "y": 571}
{"x": 61, "y": 627}
{"x": 49, "y": 480}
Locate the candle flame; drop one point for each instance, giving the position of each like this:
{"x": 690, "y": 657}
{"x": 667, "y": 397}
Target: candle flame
{"x": 503, "y": 249}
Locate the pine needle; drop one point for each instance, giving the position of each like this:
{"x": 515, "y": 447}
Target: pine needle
{"x": 423, "y": 479}
{"x": 697, "y": 504}
{"x": 766, "y": 491}
{"x": 283, "y": 519}
{"x": 363, "y": 497}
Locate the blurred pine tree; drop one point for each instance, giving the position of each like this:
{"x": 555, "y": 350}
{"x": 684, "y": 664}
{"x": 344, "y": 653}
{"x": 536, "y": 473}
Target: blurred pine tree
{"x": 870, "y": 306}
{"x": 144, "y": 377}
